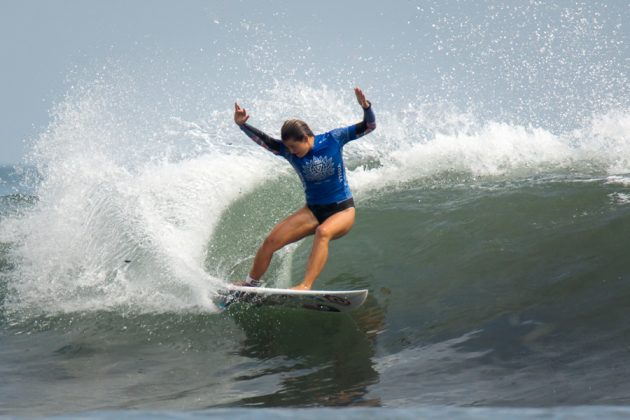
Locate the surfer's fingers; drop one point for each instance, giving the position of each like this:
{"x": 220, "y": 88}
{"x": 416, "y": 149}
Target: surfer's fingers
{"x": 360, "y": 95}
{"x": 362, "y": 101}
{"x": 240, "y": 111}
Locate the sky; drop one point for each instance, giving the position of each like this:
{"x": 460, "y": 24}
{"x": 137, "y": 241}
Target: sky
{"x": 484, "y": 51}
{"x": 44, "y": 43}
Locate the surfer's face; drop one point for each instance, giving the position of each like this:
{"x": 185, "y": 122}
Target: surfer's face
{"x": 299, "y": 148}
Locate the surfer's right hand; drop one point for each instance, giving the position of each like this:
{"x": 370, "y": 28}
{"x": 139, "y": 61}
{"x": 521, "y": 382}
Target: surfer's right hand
{"x": 240, "y": 114}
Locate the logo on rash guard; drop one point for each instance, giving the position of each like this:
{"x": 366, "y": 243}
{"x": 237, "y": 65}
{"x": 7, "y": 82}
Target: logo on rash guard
{"x": 318, "y": 168}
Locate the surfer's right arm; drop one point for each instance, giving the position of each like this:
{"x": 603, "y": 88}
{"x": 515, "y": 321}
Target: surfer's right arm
{"x": 240, "y": 118}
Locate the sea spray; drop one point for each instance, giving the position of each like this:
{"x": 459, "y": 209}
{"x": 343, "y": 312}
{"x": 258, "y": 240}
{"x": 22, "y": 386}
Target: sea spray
{"x": 117, "y": 224}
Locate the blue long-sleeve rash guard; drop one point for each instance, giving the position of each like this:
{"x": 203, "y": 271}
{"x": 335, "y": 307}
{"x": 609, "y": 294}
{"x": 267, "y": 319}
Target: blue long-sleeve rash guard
{"x": 321, "y": 170}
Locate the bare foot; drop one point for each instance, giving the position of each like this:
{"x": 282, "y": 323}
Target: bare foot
{"x": 301, "y": 286}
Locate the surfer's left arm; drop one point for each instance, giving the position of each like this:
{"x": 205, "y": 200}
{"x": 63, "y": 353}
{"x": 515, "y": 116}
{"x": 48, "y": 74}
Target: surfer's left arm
{"x": 353, "y": 132}
{"x": 369, "y": 119}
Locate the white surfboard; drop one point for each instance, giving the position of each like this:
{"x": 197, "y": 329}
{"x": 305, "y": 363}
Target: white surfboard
{"x": 318, "y": 300}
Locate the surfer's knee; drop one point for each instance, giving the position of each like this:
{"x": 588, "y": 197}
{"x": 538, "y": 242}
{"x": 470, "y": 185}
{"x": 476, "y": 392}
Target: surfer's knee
{"x": 323, "y": 232}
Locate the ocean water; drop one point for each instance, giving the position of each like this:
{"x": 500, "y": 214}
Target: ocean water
{"x": 493, "y": 239}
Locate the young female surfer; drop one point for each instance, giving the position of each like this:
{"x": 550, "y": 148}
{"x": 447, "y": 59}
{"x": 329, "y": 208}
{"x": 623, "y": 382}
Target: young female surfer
{"x": 318, "y": 160}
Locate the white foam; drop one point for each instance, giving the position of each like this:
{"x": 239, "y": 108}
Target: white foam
{"x": 101, "y": 204}
{"x": 619, "y": 198}
{"x": 493, "y": 148}
{"x": 619, "y": 180}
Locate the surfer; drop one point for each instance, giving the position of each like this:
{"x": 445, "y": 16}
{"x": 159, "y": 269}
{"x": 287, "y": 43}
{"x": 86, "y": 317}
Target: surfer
{"x": 329, "y": 211}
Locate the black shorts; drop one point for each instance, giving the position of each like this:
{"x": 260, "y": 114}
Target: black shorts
{"x": 324, "y": 211}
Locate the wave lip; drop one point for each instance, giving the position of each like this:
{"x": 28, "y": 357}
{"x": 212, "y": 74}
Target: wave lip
{"x": 491, "y": 149}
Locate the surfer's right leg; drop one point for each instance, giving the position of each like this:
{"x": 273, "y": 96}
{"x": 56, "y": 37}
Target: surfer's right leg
{"x": 295, "y": 227}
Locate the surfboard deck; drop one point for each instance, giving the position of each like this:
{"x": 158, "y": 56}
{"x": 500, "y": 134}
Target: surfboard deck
{"x": 317, "y": 300}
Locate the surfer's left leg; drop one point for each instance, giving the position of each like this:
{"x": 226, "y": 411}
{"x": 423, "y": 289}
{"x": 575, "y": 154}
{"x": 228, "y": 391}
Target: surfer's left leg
{"x": 295, "y": 227}
{"x": 332, "y": 228}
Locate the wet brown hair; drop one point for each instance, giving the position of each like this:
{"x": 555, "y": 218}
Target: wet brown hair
{"x": 295, "y": 130}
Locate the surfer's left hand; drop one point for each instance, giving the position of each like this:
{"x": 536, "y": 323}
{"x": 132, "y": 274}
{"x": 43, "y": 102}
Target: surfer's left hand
{"x": 365, "y": 104}
{"x": 301, "y": 286}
